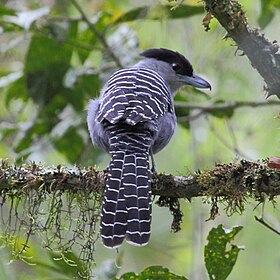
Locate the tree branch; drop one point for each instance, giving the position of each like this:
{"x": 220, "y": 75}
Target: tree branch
{"x": 261, "y": 52}
{"x": 231, "y": 181}
{"x": 225, "y": 106}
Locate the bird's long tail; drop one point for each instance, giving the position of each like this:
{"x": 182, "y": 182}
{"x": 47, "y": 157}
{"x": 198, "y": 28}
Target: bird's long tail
{"x": 126, "y": 211}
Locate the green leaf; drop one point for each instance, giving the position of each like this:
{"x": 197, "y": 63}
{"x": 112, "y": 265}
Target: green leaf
{"x": 71, "y": 144}
{"x": 152, "y": 273}
{"x": 183, "y": 11}
{"x": 267, "y": 11}
{"x": 6, "y": 132}
{"x": 82, "y": 85}
{"x": 87, "y": 39}
{"x": 47, "y": 61}
{"x": 219, "y": 260}
{"x": 138, "y": 13}
{"x": 39, "y": 128}
{"x": 181, "y": 112}
{"x": 5, "y": 11}
{"x": 159, "y": 12}
{"x": 17, "y": 90}
{"x": 67, "y": 263}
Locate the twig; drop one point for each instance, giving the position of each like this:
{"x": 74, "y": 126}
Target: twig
{"x": 97, "y": 34}
{"x": 208, "y": 108}
{"x": 261, "y": 220}
{"x": 225, "y": 106}
{"x": 232, "y": 147}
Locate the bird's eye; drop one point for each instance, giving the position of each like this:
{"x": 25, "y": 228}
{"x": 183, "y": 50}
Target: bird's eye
{"x": 176, "y": 67}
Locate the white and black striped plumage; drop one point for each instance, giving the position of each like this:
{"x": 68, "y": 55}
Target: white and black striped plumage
{"x": 133, "y": 118}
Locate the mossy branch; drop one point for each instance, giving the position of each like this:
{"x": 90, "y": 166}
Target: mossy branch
{"x": 62, "y": 204}
{"x": 230, "y": 181}
{"x": 262, "y": 53}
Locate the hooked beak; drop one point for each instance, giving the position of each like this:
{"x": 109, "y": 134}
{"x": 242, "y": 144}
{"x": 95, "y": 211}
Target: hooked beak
{"x": 195, "y": 81}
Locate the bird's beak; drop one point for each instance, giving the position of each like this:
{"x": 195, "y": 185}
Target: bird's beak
{"x": 195, "y": 81}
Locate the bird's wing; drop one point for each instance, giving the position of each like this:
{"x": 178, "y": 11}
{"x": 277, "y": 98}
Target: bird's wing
{"x": 134, "y": 95}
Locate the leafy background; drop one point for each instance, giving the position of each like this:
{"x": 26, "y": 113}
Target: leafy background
{"x": 52, "y": 63}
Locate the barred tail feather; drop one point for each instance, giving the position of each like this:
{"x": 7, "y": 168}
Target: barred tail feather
{"x": 137, "y": 192}
{"x": 126, "y": 209}
{"x": 113, "y": 222}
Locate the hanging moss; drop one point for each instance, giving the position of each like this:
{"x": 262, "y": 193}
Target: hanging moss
{"x": 61, "y": 205}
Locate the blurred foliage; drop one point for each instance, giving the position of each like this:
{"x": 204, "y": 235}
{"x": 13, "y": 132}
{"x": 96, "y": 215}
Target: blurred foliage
{"x": 159, "y": 12}
{"x": 53, "y": 62}
{"x": 268, "y": 9}
{"x": 56, "y": 75}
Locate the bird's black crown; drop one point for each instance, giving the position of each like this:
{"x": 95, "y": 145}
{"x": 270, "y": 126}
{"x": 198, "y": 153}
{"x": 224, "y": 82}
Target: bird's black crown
{"x": 178, "y": 62}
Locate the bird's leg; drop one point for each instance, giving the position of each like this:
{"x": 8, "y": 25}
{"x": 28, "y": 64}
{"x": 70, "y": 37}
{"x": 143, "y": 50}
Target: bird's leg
{"x": 153, "y": 169}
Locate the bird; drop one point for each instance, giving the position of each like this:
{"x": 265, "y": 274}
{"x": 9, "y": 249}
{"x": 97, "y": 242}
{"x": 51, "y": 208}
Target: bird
{"x": 134, "y": 118}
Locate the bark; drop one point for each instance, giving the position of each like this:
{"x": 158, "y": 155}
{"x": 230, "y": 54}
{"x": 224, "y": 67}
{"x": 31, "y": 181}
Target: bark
{"x": 262, "y": 53}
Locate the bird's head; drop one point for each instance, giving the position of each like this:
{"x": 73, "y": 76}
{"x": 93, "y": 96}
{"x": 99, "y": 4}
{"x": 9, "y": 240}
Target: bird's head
{"x": 173, "y": 67}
